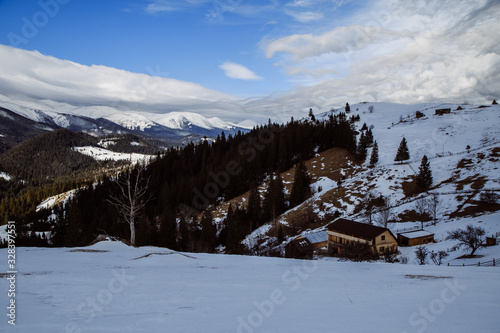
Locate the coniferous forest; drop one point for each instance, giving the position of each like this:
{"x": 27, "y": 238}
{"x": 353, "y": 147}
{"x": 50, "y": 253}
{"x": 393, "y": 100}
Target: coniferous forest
{"x": 184, "y": 184}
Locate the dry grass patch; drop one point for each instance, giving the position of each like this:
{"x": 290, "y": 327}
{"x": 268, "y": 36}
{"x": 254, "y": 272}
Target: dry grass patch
{"x": 88, "y": 251}
{"x": 426, "y": 277}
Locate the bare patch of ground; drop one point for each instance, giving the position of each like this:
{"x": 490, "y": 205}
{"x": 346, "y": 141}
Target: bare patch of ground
{"x": 88, "y": 250}
{"x": 426, "y": 277}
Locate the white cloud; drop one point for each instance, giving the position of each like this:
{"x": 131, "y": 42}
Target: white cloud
{"x": 305, "y": 17}
{"x": 237, "y": 71}
{"x": 158, "y": 6}
{"x": 396, "y": 52}
{"x": 31, "y": 75}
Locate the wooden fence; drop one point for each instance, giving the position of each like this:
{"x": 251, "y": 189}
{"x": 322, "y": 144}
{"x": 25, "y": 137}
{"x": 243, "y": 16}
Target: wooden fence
{"x": 493, "y": 262}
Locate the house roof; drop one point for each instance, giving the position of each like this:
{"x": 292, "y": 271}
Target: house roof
{"x": 356, "y": 229}
{"x": 317, "y": 237}
{"x": 302, "y": 244}
{"x": 416, "y": 234}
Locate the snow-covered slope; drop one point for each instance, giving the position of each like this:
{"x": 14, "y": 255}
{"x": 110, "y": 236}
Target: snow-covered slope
{"x": 109, "y": 287}
{"x": 101, "y": 154}
{"x": 463, "y": 148}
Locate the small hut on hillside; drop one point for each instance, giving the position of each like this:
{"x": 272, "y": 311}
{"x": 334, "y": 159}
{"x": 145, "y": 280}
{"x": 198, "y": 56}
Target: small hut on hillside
{"x": 416, "y": 237}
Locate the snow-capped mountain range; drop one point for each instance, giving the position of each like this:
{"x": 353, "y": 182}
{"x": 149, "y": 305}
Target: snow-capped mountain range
{"x": 103, "y": 120}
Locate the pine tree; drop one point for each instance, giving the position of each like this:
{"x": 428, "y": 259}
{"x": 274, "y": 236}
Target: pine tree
{"x": 347, "y": 108}
{"x": 274, "y": 200}
{"x": 208, "y": 237}
{"x": 369, "y": 137}
{"x": 301, "y": 189}
{"x": 374, "y": 155}
{"x": 254, "y": 209}
{"x": 494, "y": 102}
{"x": 311, "y": 115}
{"x": 424, "y": 177}
{"x": 361, "y": 151}
{"x": 403, "y": 153}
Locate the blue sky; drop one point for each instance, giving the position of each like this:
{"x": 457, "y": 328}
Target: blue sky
{"x": 186, "y": 40}
{"x": 240, "y": 59}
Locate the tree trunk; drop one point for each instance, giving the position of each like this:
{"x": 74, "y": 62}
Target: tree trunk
{"x": 132, "y": 231}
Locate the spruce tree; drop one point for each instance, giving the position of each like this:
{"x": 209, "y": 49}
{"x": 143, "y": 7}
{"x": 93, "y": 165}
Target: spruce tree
{"x": 374, "y": 155}
{"x": 424, "y": 177}
{"x": 274, "y": 199}
{"x": 311, "y": 115}
{"x": 301, "y": 189}
{"x": 361, "y": 149}
{"x": 403, "y": 153}
{"x": 494, "y": 102}
{"x": 347, "y": 108}
{"x": 208, "y": 237}
{"x": 254, "y": 208}
{"x": 369, "y": 137}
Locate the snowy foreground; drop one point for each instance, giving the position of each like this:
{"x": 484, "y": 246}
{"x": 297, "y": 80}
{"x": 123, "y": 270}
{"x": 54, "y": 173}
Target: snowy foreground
{"x": 110, "y": 287}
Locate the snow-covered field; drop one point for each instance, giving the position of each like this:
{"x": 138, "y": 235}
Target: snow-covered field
{"x": 5, "y": 176}
{"x": 110, "y": 287}
{"x": 101, "y": 154}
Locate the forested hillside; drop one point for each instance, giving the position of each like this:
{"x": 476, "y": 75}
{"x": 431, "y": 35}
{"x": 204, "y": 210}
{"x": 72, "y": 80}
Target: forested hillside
{"x": 42, "y": 166}
{"x": 186, "y": 183}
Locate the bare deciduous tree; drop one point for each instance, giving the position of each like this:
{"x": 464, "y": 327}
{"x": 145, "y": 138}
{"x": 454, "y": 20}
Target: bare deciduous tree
{"x": 434, "y": 206}
{"x": 384, "y": 213}
{"x": 132, "y": 197}
{"x": 422, "y": 208}
{"x": 471, "y": 237}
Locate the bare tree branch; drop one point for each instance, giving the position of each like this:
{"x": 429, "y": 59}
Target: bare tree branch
{"x": 132, "y": 198}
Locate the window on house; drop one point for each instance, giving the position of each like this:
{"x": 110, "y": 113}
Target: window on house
{"x": 383, "y": 237}
{"x": 382, "y": 249}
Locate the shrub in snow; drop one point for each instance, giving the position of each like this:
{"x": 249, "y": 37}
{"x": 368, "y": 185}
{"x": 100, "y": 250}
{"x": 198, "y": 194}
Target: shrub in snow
{"x": 421, "y": 252}
{"x": 489, "y": 196}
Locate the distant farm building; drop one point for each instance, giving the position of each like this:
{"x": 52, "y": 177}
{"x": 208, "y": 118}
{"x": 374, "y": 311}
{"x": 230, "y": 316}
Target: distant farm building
{"x": 303, "y": 247}
{"x": 490, "y": 241}
{"x": 343, "y": 232}
{"x": 299, "y": 248}
{"x": 416, "y": 237}
{"x": 440, "y": 112}
{"x": 318, "y": 239}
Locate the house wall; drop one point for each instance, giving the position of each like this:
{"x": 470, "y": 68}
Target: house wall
{"x": 421, "y": 240}
{"x": 404, "y": 241}
{"x": 337, "y": 240}
{"x": 335, "y": 237}
{"x": 320, "y": 245}
{"x": 386, "y": 241}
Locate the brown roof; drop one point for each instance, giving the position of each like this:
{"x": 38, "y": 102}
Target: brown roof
{"x": 356, "y": 229}
{"x": 302, "y": 244}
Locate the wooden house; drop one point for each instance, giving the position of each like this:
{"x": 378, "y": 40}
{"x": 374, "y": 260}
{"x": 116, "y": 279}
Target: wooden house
{"x": 440, "y": 112}
{"x": 342, "y": 232}
{"x": 318, "y": 239}
{"x": 299, "y": 248}
{"x": 490, "y": 241}
{"x": 416, "y": 237}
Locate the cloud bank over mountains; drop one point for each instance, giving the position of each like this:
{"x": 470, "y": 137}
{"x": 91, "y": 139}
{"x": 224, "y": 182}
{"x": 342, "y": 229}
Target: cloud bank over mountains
{"x": 387, "y": 51}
